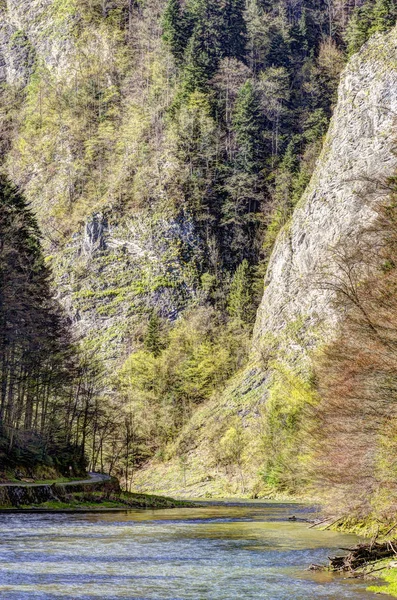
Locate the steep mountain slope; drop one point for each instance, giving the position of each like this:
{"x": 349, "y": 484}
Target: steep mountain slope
{"x": 248, "y": 436}
{"x": 162, "y": 145}
{"x": 156, "y": 142}
{"x": 357, "y": 158}
{"x": 166, "y": 163}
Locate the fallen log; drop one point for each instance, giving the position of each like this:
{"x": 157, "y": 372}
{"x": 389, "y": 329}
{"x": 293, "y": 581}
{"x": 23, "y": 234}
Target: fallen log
{"x": 361, "y": 555}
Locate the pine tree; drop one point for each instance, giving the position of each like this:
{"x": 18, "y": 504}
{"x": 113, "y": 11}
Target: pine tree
{"x": 240, "y": 295}
{"x": 248, "y": 125}
{"x": 153, "y": 342}
{"x": 175, "y": 29}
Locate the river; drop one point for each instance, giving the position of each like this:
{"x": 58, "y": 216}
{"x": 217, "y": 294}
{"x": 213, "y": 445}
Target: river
{"x": 211, "y": 553}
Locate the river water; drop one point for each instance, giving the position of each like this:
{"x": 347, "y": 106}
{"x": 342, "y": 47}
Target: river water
{"x": 211, "y": 553}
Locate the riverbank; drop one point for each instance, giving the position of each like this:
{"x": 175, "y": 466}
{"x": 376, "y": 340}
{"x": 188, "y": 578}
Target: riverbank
{"x": 375, "y": 560}
{"x": 389, "y": 576}
{"x": 250, "y": 552}
{"x": 96, "y": 492}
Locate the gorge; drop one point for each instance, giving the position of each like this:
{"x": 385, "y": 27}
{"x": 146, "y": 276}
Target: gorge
{"x": 160, "y": 161}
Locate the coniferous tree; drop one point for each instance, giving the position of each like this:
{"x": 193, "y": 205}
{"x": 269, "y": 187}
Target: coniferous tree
{"x": 248, "y": 125}
{"x": 235, "y": 30}
{"x": 278, "y": 51}
{"x": 304, "y": 36}
{"x": 36, "y": 354}
{"x": 240, "y": 295}
{"x": 231, "y": 152}
{"x": 153, "y": 343}
{"x": 204, "y": 49}
{"x": 175, "y": 29}
{"x": 383, "y": 16}
{"x": 218, "y": 30}
{"x": 358, "y": 30}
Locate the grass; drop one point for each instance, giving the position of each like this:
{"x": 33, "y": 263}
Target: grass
{"x": 389, "y": 576}
{"x": 386, "y": 569}
{"x": 381, "y": 568}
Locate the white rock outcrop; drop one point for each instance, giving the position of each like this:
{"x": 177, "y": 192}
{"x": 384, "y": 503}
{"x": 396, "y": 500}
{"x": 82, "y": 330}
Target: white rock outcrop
{"x": 358, "y": 155}
{"x": 33, "y": 28}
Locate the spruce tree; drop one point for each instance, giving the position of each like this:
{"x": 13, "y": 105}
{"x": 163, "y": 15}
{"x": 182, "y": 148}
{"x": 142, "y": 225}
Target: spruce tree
{"x": 153, "y": 343}
{"x": 278, "y": 51}
{"x": 383, "y": 16}
{"x": 36, "y": 356}
{"x": 240, "y": 295}
{"x": 204, "y": 50}
{"x": 248, "y": 125}
{"x": 235, "y": 29}
{"x": 304, "y": 37}
{"x": 218, "y": 30}
{"x": 359, "y": 27}
{"x": 175, "y": 29}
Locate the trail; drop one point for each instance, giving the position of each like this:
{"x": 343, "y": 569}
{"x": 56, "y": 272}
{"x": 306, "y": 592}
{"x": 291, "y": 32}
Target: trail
{"x": 93, "y": 478}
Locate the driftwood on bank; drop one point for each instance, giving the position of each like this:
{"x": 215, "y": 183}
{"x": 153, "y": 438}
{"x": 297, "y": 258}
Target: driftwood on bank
{"x": 360, "y": 556}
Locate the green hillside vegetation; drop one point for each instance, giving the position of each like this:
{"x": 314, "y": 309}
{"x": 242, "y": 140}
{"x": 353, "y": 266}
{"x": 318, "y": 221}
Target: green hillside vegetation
{"x": 161, "y": 146}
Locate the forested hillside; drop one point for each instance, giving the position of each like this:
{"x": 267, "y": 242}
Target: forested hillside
{"x": 37, "y": 420}
{"x": 162, "y": 145}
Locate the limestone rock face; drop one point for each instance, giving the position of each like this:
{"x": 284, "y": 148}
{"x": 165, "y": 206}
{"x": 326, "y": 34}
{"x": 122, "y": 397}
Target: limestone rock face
{"x": 117, "y": 263}
{"x": 358, "y": 156}
{"x": 28, "y": 29}
{"x": 296, "y": 313}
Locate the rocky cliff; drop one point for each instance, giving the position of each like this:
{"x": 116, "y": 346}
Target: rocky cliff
{"x": 78, "y": 95}
{"x": 357, "y": 158}
{"x": 134, "y": 210}
{"x": 296, "y": 313}
{"x": 37, "y": 30}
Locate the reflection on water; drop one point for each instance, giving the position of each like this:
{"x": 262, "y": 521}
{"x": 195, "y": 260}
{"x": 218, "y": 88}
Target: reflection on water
{"x": 211, "y": 553}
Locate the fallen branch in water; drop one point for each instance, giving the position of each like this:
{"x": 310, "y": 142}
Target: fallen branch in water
{"x": 293, "y": 518}
{"x": 359, "y": 557}
{"x": 317, "y": 523}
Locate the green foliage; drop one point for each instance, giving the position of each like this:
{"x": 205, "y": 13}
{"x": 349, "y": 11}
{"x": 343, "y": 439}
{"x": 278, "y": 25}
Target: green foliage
{"x": 232, "y": 444}
{"x": 389, "y": 576}
{"x": 240, "y": 303}
{"x": 36, "y": 351}
{"x": 194, "y": 127}
{"x": 383, "y": 15}
{"x": 373, "y": 16}
{"x": 201, "y": 35}
{"x": 234, "y": 29}
{"x": 204, "y": 49}
{"x": 248, "y": 123}
{"x": 153, "y": 341}
{"x": 286, "y": 455}
{"x": 359, "y": 27}
{"x": 175, "y": 29}
{"x": 199, "y": 356}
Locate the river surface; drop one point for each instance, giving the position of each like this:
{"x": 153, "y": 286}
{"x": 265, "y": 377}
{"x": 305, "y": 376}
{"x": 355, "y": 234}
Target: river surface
{"x": 211, "y": 553}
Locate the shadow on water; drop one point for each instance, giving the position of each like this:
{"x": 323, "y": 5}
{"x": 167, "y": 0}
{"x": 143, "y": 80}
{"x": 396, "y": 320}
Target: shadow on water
{"x": 222, "y": 552}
